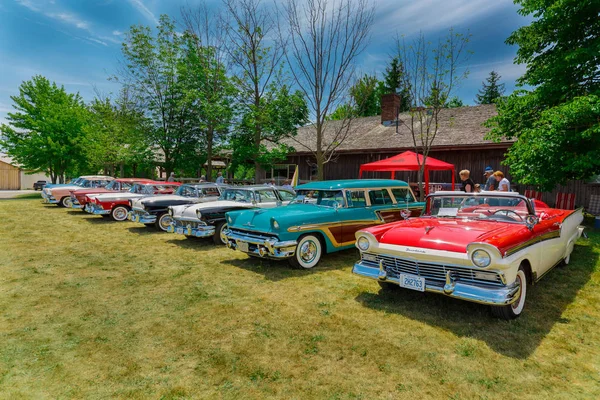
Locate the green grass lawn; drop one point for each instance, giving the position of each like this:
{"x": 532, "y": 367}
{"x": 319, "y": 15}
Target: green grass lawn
{"x": 94, "y": 309}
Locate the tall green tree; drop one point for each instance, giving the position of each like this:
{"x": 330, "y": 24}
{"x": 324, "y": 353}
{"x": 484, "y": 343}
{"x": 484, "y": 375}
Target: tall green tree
{"x": 365, "y": 99}
{"x": 152, "y": 74}
{"x": 210, "y": 92}
{"x": 46, "y": 132}
{"x": 268, "y": 110}
{"x": 395, "y": 81}
{"x": 116, "y": 136}
{"x": 209, "y": 87}
{"x": 491, "y": 91}
{"x": 555, "y": 124}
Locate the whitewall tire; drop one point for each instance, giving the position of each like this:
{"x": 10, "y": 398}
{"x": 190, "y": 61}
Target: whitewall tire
{"x": 119, "y": 213}
{"x": 308, "y": 253}
{"x": 515, "y": 309}
{"x": 66, "y": 202}
{"x": 219, "y": 238}
{"x": 163, "y": 221}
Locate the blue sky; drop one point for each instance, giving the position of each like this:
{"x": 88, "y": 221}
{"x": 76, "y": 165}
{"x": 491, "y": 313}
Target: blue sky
{"x": 76, "y": 43}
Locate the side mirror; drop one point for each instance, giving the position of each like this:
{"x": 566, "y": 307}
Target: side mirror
{"x": 531, "y": 221}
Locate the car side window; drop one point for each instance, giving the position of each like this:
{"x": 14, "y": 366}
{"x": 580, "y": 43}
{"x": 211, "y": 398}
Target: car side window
{"x": 380, "y": 197}
{"x": 285, "y": 195}
{"x": 125, "y": 186}
{"x": 210, "y": 191}
{"x": 403, "y": 195}
{"x": 356, "y": 198}
{"x": 266, "y": 196}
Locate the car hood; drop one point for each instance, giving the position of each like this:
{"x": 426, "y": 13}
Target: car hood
{"x": 189, "y": 210}
{"x": 62, "y": 188}
{"x": 447, "y": 234}
{"x": 117, "y": 196}
{"x": 84, "y": 192}
{"x": 149, "y": 200}
{"x": 286, "y": 216}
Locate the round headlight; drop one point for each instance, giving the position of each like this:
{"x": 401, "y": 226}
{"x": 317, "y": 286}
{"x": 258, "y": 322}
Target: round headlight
{"x": 198, "y": 214}
{"x": 229, "y": 219}
{"x": 170, "y": 211}
{"x": 275, "y": 224}
{"x": 481, "y": 258}
{"x": 362, "y": 243}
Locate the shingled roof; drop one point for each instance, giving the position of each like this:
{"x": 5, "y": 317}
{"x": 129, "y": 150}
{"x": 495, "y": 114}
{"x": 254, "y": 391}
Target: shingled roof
{"x": 462, "y": 126}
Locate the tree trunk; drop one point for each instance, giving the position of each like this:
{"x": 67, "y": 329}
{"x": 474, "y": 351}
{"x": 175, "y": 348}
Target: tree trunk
{"x": 319, "y": 154}
{"x": 122, "y": 171}
{"x": 420, "y": 182}
{"x": 209, "y": 152}
{"x": 134, "y": 169}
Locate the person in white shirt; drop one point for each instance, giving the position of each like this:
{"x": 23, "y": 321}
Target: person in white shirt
{"x": 220, "y": 179}
{"x": 503, "y": 183}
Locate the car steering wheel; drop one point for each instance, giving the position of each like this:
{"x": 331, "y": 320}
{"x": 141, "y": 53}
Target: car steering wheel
{"x": 507, "y": 212}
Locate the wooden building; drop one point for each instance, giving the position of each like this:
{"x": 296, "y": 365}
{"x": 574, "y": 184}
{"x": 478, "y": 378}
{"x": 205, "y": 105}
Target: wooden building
{"x": 10, "y": 175}
{"x": 460, "y": 141}
{"x": 13, "y": 177}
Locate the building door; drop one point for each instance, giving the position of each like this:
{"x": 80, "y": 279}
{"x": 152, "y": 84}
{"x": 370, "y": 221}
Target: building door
{"x": 10, "y": 178}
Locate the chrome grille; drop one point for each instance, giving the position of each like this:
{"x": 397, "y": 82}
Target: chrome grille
{"x": 395, "y": 266}
{"x": 253, "y": 235}
{"x": 180, "y": 223}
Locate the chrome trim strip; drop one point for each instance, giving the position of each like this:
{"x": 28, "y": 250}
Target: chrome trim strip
{"x": 494, "y": 296}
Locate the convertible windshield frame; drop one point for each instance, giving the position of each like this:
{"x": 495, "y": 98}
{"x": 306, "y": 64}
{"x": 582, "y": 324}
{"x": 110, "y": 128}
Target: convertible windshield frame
{"x": 478, "y": 201}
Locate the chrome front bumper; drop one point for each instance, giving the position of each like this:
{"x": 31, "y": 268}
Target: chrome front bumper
{"x": 49, "y": 200}
{"x": 75, "y": 203}
{"x": 266, "y": 247}
{"x": 141, "y": 217}
{"x": 96, "y": 209}
{"x": 490, "y": 295}
{"x": 201, "y": 231}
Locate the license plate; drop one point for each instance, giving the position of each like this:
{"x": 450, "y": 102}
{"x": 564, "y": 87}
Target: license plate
{"x": 179, "y": 231}
{"x": 412, "y": 282}
{"x": 242, "y": 246}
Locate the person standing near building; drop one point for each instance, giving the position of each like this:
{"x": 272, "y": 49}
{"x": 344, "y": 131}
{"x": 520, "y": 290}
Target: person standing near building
{"x": 490, "y": 180}
{"x": 467, "y": 183}
{"x": 171, "y": 177}
{"x": 503, "y": 183}
{"x": 220, "y": 178}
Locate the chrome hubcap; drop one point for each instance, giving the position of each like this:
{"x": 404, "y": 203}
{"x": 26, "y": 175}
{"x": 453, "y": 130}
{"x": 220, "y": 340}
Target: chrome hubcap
{"x": 165, "y": 222}
{"x": 67, "y": 202}
{"x": 222, "y": 235}
{"x": 308, "y": 251}
{"x": 120, "y": 213}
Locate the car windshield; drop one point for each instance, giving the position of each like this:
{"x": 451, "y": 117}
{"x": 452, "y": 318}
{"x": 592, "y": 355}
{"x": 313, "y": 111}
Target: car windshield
{"x": 481, "y": 206}
{"x": 244, "y": 196}
{"x": 112, "y": 185}
{"x": 187, "y": 191}
{"x": 327, "y": 198}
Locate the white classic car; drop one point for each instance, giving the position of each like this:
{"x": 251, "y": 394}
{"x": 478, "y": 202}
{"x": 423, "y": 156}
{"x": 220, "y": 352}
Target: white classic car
{"x": 208, "y": 219}
{"x": 481, "y": 247}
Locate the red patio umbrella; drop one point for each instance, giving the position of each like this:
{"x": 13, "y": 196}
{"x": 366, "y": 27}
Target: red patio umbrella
{"x": 407, "y": 161}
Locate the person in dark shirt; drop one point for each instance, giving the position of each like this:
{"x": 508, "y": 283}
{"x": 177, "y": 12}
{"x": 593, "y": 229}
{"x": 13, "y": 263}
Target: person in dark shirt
{"x": 467, "y": 183}
{"x": 490, "y": 180}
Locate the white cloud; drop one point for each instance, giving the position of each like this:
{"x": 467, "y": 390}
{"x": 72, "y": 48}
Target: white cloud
{"x": 70, "y": 19}
{"x": 117, "y": 33}
{"x": 408, "y": 17}
{"x": 141, "y": 7}
{"x": 97, "y": 41}
{"x": 29, "y": 4}
{"x": 508, "y": 70}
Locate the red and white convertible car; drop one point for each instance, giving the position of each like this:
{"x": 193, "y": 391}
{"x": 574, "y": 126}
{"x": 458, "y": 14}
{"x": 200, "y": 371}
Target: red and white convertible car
{"x": 481, "y": 247}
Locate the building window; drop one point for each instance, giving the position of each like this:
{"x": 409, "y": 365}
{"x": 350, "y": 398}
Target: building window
{"x": 281, "y": 172}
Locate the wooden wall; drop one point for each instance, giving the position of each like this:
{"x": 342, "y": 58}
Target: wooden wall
{"x": 10, "y": 177}
{"x": 346, "y": 166}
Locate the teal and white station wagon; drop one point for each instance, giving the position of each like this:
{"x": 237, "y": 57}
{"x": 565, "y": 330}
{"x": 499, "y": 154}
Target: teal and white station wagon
{"x": 322, "y": 218}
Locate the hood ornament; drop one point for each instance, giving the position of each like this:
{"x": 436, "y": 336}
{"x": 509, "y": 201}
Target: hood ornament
{"x": 428, "y": 228}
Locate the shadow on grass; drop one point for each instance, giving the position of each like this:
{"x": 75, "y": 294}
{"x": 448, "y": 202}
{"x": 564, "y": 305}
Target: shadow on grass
{"x": 193, "y": 243}
{"x": 77, "y": 212}
{"x": 546, "y": 302}
{"x": 276, "y": 270}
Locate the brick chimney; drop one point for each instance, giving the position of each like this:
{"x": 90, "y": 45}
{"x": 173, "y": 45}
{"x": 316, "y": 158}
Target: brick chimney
{"x": 390, "y": 108}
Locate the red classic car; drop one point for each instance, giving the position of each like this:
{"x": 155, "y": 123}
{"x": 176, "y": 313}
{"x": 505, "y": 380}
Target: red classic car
{"x": 485, "y": 248}
{"x": 78, "y": 197}
{"x": 117, "y": 205}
